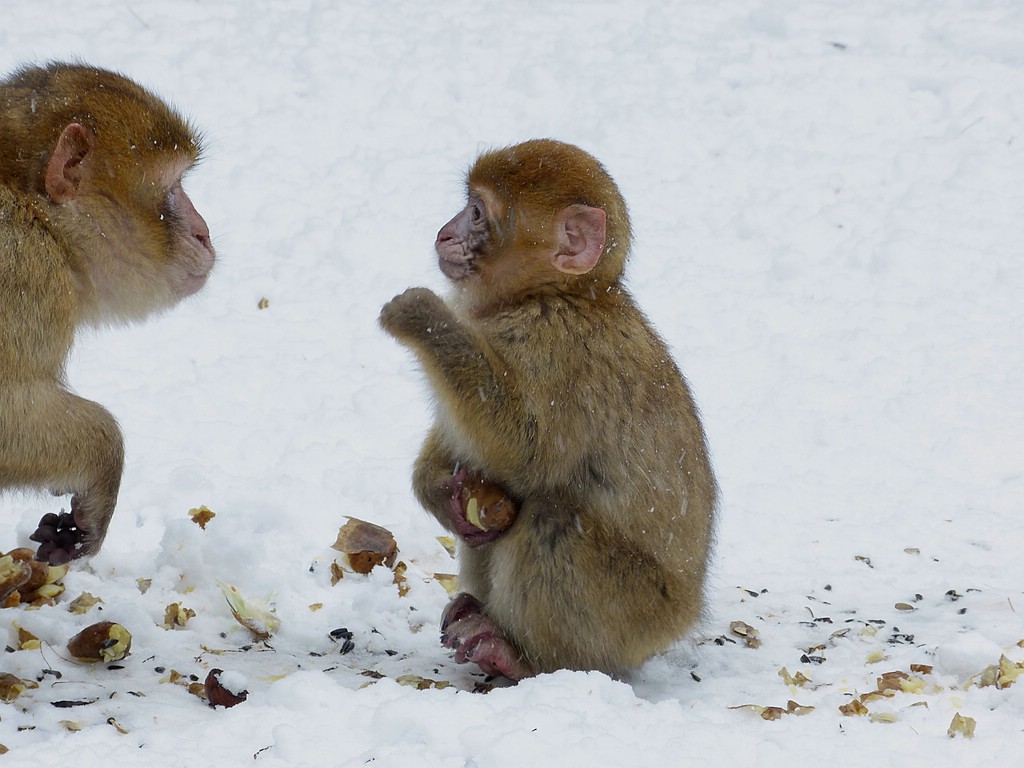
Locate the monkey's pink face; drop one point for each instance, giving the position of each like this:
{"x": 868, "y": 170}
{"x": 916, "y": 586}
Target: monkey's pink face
{"x": 147, "y": 249}
{"x": 195, "y": 254}
{"x": 463, "y": 240}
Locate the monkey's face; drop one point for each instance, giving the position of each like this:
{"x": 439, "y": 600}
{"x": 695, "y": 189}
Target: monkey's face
{"x": 494, "y": 248}
{"x": 464, "y": 240}
{"x": 143, "y": 244}
{"x": 188, "y": 241}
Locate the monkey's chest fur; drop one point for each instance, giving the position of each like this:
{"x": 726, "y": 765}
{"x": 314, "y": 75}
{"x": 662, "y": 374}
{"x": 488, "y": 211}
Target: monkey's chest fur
{"x": 601, "y": 430}
{"x": 605, "y": 562}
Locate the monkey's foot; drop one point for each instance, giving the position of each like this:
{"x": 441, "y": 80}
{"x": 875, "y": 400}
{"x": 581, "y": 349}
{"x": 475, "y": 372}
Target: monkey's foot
{"x": 474, "y": 637}
{"x": 480, "y": 510}
{"x": 59, "y": 537}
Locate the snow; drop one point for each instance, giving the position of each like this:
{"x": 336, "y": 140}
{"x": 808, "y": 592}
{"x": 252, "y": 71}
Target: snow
{"x": 827, "y": 203}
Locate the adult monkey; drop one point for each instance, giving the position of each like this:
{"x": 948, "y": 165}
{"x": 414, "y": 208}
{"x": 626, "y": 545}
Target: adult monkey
{"x": 95, "y": 228}
{"x": 556, "y": 398}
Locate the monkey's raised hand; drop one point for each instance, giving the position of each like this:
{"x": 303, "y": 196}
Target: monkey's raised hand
{"x": 480, "y": 510}
{"x": 415, "y": 315}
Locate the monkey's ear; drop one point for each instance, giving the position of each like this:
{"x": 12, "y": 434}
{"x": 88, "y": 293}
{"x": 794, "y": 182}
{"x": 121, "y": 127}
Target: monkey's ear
{"x": 64, "y": 171}
{"x": 581, "y": 236}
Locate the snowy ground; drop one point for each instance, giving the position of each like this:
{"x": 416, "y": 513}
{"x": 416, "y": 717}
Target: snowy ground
{"x": 830, "y": 212}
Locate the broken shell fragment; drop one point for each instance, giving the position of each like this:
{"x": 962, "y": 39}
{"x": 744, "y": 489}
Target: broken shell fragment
{"x": 23, "y": 579}
{"x": 26, "y": 640}
{"x": 103, "y": 641}
{"x": 255, "y": 616}
{"x": 449, "y": 581}
{"x": 11, "y": 687}
{"x": 83, "y": 603}
{"x": 218, "y": 695}
{"x": 14, "y": 574}
{"x": 40, "y": 570}
{"x": 202, "y": 515}
{"x": 366, "y": 545}
{"x": 963, "y": 726}
{"x": 176, "y": 615}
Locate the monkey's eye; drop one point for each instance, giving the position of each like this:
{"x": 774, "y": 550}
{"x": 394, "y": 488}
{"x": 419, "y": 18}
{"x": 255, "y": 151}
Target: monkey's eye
{"x": 476, "y": 213}
{"x": 169, "y": 206}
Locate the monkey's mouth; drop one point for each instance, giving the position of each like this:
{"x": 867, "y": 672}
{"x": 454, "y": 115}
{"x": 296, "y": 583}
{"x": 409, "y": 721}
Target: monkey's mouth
{"x": 455, "y": 269}
{"x": 193, "y": 283}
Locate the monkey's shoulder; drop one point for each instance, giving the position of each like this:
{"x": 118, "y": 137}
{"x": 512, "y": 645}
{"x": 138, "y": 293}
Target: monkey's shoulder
{"x": 580, "y": 352}
{"x": 554, "y": 317}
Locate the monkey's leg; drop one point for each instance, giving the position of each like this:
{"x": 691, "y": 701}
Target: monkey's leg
{"x": 475, "y": 637}
{"x": 55, "y": 440}
{"x": 572, "y": 592}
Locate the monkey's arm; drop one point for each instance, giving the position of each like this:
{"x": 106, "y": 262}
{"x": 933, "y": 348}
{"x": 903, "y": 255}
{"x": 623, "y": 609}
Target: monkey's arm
{"x": 53, "y": 439}
{"x": 445, "y": 489}
{"x": 467, "y": 374}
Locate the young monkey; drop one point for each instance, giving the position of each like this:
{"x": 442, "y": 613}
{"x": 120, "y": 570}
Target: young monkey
{"x": 559, "y": 409}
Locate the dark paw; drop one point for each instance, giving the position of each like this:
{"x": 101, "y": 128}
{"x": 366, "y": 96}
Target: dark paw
{"x": 59, "y": 537}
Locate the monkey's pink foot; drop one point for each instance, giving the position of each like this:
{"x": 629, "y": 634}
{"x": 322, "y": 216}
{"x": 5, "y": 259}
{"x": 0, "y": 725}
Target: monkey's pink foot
{"x": 59, "y": 537}
{"x": 463, "y": 487}
{"x": 474, "y": 637}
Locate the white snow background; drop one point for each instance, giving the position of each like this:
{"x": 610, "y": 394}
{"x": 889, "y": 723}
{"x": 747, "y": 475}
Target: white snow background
{"x": 829, "y": 206}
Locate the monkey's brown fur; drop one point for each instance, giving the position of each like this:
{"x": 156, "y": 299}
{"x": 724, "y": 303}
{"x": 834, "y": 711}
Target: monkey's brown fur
{"x": 555, "y": 387}
{"x": 94, "y": 228}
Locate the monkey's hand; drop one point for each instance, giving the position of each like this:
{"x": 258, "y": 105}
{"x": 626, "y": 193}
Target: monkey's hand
{"x": 415, "y": 314}
{"x": 58, "y": 538}
{"x": 480, "y": 510}
{"x": 61, "y": 538}
{"x": 474, "y": 636}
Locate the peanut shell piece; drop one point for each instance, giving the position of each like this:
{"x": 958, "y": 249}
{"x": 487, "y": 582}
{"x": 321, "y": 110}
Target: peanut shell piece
{"x": 218, "y": 695}
{"x": 14, "y": 574}
{"x": 366, "y": 545}
{"x": 103, "y": 641}
{"x": 487, "y": 506}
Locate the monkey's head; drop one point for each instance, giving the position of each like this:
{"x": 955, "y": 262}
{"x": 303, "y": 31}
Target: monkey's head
{"x": 102, "y": 159}
{"x": 541, "y": 215}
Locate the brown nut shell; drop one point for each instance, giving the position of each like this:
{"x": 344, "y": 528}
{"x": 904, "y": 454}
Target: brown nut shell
{"x": 218, "y": 695}
{"x": 14, "y": 574}
{"x": 487, "y": 505}
{"x": 366, "y": 545}
{"x": 103, "y": 641}
{"x": 40, "y": 575}
{"x": 22, "y": 553}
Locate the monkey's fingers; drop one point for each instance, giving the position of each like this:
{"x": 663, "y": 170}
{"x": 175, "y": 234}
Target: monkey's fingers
{"x": 475, "y": 638}
{"x": 496, "y": 656}
{"x": 60, "y": 539}
{"x": 461, "y": 606}
{"x": 412, "y": 313}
